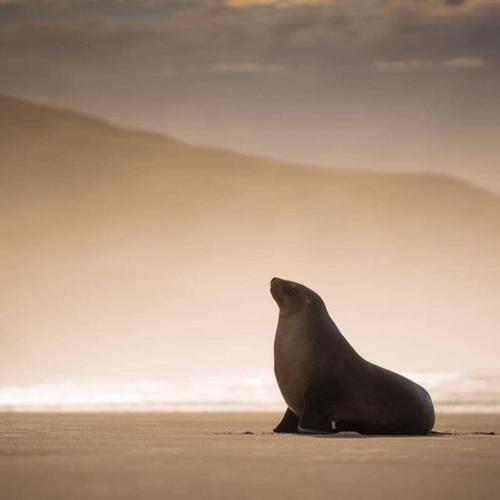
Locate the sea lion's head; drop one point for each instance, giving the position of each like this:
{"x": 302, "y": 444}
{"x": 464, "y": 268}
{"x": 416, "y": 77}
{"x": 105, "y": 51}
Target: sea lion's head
{"x": 293, "y": 297}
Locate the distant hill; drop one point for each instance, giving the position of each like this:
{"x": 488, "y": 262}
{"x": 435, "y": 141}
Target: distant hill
{"x": 127, "y": 254}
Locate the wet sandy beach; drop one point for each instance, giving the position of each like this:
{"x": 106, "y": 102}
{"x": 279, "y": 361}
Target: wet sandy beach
{"x": 143, "y": 456}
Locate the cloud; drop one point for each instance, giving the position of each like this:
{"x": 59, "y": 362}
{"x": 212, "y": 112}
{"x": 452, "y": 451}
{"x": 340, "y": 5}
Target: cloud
{"x": 180, "y": 54}
{"x": 454, "y": 3}
{"x": 397, "y": 36}
{"x": 247, "y": 67}
{"x": 323, "y": 43}
{"x": 404, "y": 66}
{"x": 465, "y": 62}
{"x": 399, "y": 66}
{"x": 74, "y": 9}
{"x": 277, "y": 3}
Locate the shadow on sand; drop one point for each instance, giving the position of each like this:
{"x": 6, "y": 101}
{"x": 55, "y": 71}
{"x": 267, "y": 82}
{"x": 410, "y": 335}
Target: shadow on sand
{"x": 355, "y": 435}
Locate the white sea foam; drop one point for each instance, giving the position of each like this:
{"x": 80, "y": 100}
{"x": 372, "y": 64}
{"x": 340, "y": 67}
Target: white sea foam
{"x": 450, "y": 391}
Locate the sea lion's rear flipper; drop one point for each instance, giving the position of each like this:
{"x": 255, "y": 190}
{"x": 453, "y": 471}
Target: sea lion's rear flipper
{"x": 289, "y": 423}
{"x": 316, "y": 416}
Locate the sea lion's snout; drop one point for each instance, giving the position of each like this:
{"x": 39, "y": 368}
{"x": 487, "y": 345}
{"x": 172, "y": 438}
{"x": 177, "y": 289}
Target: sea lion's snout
{"x": 276, "y": 291}
{"x": 283, "y": 291}
{"x": 277, "y": 286}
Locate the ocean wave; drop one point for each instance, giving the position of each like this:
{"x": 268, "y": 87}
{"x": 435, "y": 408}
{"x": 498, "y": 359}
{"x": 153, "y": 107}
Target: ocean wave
{"x": 450, "y": 391}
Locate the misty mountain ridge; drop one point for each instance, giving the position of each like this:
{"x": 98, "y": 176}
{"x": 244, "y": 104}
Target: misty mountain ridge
{"x": 21, "y": 120}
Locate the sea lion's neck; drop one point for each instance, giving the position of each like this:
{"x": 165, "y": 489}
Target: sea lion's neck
{"x": 315, "y": 327}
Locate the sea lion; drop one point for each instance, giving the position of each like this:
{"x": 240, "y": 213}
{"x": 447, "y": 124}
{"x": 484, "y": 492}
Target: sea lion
{"x": 324, "y": 380}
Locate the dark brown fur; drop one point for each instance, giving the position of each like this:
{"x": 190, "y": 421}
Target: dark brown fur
{"x": 324, "y": 380}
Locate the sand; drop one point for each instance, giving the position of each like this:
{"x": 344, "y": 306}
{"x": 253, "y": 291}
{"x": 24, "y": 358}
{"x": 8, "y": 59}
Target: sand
{"x": 234, "y": 456}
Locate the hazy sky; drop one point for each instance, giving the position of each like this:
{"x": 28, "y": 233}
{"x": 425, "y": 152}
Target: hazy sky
{"x": 400, "y": 84}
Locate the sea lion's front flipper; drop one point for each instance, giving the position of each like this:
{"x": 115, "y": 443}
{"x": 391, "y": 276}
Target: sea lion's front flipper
{"x": 289, "y": 423}
{"x": 316, "y": 415}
